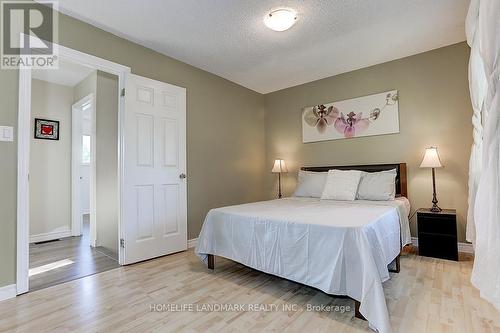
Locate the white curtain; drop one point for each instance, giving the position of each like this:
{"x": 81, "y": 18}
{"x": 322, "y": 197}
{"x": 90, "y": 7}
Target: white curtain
{"x": 478, "y": 86}
{"x": 483, "y": 33}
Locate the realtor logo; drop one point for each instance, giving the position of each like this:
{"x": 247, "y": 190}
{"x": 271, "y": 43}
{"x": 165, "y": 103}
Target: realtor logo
{"x": 28, "y": 31}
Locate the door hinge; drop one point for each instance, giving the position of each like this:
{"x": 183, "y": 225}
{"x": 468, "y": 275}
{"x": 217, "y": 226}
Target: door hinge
{"x": 123, "y": 92}
{"x": 122, "y": 242}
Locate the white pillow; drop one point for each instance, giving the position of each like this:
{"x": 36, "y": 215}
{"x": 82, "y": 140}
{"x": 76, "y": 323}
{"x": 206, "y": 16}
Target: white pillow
{"x": 341, "y": 185}
{"x": 310, "y": 184}
{"x": 377, "y": 185}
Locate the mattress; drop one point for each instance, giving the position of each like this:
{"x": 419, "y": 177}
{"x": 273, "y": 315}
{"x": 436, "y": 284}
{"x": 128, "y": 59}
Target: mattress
{"x": 339, "y": 247}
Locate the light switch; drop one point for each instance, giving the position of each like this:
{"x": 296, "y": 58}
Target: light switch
{"x": 6, "y": 133}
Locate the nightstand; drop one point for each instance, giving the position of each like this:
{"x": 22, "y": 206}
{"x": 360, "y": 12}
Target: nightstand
{"x": 437, "y": 233}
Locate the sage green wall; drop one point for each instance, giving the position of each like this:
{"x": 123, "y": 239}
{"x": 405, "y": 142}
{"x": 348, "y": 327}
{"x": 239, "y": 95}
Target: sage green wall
{"x": 225, "y": 131}
{"x": 434, "y": 109}
{"x": 8, "y": 170}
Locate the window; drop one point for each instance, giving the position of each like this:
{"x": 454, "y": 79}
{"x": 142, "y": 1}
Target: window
{"x": 86, "y": 149}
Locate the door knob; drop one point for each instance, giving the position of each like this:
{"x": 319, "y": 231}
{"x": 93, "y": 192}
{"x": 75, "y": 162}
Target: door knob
{"x": 182, "y": 176}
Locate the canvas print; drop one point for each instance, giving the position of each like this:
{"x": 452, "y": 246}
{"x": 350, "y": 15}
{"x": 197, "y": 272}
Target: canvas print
{"x": 351, "y": 118}
{"x": 46, "y": 129}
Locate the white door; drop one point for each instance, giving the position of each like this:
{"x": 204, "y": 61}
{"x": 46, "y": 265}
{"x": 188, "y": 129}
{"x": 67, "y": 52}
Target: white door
{"x": 85, "y": 187}
{"x": 82, "y": 165}
{"x": 154, "y": 213}
{"x": 76, "y": 177}
{"x": 86, "y": 162}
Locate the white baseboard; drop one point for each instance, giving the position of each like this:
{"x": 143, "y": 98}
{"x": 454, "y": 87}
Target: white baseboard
{"x": 7, "y": 292}
{"x": 465, "y": 248}
{"x": 192, "y": 242}
{"x": 462, "y": 247}
{"x": 50, "y": 236}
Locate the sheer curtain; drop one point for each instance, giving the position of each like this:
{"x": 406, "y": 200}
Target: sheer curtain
{"x": 483, "y": 33}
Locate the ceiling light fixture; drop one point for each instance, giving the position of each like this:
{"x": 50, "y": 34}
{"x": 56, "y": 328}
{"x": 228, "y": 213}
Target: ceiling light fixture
{"x": 280, "y": 19}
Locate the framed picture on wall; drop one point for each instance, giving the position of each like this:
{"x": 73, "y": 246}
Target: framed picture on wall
{"x": 46, "y": 129}
{"x": 376, "y": 114}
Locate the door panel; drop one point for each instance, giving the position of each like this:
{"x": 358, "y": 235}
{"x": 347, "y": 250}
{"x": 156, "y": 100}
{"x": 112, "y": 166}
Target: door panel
{"x": 170, "y": 211}
{"x": 145, "y": 140}
{"x": 170, "y": 142}
{"x": 154, "y": 207}
{"x": 145, "y": 212}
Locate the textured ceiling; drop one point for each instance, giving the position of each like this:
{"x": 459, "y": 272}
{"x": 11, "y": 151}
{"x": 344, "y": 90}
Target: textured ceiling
{"x": 228, "y": 37}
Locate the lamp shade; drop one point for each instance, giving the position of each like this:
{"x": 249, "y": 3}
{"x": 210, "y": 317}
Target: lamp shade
{"x": 431, "y": 158}
{"x": 279, "y": 166}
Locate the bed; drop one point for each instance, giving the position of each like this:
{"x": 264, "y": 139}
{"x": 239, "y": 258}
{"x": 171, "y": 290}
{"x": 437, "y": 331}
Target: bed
{"x": 340, "y": 247}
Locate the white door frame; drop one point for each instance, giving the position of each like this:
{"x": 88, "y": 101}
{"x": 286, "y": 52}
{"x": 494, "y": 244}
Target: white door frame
{"x": 76, "y": 145}
{"x": 23, "y": 152}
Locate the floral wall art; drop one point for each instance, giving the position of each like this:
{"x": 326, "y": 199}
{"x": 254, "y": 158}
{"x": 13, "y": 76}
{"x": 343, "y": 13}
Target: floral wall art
{"x": 363, "y": 116}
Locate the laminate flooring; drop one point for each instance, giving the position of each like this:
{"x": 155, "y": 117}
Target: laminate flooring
{"x": 70, "y": 258}
{"x": 159, "y": 295}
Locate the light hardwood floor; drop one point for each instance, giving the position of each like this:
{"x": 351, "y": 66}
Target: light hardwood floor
{"x": 429, "y": 295}
{"x": 84, "y": 259}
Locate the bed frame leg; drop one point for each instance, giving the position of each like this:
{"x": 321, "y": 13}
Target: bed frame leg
{"x": 211, "y": 261}
{"x": 398, "y": 264}
{"x": 358, "y": 314}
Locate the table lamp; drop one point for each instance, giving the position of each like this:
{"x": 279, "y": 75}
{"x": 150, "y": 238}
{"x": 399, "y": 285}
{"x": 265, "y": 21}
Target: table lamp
{"x": 279, "y": 167}
{"x": 431, "y": 160}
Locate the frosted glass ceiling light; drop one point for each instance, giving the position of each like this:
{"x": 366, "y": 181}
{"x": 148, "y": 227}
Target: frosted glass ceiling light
{"x": 280, "y": 19}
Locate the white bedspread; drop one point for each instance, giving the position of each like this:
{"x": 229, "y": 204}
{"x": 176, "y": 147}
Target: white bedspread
{"x": 341, "y": 248}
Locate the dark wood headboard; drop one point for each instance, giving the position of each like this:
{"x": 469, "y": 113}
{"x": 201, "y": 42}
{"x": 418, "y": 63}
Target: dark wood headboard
{"x": 401, "y": 185}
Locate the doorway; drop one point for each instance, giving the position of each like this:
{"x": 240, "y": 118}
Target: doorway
{"x": 67, "y": 238}
{"x": 146, "y": 166}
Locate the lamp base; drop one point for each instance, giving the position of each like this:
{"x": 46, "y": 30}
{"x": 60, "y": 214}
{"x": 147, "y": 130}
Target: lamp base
{"x": 435, "y": 208}
{"x": 279, "y": 186}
